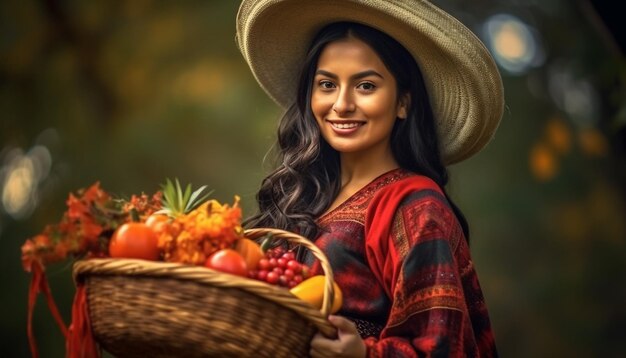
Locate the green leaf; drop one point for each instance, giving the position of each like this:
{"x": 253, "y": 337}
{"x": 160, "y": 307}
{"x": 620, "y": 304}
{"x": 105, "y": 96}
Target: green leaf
{"x": 177, "y": 201}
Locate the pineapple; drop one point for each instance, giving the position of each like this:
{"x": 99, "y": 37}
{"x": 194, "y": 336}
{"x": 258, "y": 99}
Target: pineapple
{"x": 197, "y": 227}
{"x": 176, "y": 202}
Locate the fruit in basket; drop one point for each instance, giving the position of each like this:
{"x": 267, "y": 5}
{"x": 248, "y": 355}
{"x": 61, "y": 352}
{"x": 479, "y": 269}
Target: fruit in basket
{"x": 280, "y": 267}
{"x": 134, "y": 240}
{"x": 228, "y": 261}
{"x": 177, "y": 202}
{"x": 157, "y": 222}
{"x": 251, "y": 252}
{"x": 311, "y": 290}
{"x": 198, "y": 228}
{"x": 181, "y": 227}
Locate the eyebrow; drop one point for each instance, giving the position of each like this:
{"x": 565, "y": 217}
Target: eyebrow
{"x": 356, "y": 76}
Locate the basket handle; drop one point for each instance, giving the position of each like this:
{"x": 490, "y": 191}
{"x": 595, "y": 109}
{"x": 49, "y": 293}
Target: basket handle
{"x": 329, "y": 290}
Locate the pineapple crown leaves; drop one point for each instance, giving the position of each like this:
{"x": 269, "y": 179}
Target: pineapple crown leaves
{"x": 178, "y": 202}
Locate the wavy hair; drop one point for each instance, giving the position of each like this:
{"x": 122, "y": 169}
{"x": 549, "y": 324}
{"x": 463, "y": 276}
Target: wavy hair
{"x": 307, "y": 177}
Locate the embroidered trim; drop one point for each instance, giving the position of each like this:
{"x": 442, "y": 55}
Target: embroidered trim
{"x": 354, "y": 207}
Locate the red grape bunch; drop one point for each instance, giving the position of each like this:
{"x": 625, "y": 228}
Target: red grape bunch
{"x": 280, "y": 267}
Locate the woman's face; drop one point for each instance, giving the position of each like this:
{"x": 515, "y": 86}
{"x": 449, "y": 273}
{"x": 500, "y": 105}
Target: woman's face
{"x": 354, "y": 98}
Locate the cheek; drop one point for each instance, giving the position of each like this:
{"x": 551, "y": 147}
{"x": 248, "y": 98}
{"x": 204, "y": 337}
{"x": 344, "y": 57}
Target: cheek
{"x": 320, "y": 105}
{"x": 380, "y": 106}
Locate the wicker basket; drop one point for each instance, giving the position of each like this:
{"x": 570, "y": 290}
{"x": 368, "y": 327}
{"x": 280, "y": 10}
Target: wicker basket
{"x": 142, "y": 309}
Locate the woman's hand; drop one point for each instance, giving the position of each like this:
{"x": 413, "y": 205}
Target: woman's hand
{"x": 347, "y": 344}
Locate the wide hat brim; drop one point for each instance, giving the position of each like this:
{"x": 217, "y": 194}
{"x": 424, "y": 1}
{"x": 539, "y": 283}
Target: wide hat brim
{"x": 462, "y": 80}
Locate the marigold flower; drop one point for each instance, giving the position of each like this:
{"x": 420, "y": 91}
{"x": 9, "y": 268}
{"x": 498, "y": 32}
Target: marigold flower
{"x": 208, "y": 228}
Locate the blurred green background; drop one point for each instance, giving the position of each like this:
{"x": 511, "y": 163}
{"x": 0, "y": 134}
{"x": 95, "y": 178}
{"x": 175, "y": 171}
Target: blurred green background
{"x": 131, "y": 92}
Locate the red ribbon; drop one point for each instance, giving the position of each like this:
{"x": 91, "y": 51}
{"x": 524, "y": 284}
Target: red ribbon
{"x": 39, "y": 283}
{"x": 80, "y": 342}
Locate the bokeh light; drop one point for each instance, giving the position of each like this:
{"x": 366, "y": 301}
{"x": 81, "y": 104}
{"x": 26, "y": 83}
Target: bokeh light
{"x": 573, "y": 95}
{"x": 558, "y": 135}
{"x": 20, "y": 177}
{"x": 515, "y": 46}
{"x": 18, "y": 194}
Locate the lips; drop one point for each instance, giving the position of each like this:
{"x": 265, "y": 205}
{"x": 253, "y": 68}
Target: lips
{"x": 345, "y": 127}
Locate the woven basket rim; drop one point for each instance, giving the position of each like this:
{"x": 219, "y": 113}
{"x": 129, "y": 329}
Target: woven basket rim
{"x": 206, "y": 276}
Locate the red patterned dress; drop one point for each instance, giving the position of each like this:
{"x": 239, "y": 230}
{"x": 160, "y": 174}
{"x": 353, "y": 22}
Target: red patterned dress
{"x": 402, "y": 261}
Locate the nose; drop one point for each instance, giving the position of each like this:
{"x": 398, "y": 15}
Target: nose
{"x": 344, "y": 103}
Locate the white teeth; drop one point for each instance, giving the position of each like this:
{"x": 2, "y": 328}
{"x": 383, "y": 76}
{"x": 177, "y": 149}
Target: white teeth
{"x": 345, "y": 125}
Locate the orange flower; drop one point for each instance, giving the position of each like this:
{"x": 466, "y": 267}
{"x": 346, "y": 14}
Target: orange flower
{"x": 28, "y": 255}
{"x": 76, "y": 208}
{"x": 95, "y": 194}
{"x": 144, "y": 205}
{"x": 85, "y": 227}
{"x": 90, "y": 231}
{"x": 203, "y": 231}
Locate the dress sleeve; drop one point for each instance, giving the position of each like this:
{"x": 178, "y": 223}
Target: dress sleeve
{"x": 416, "y": 249}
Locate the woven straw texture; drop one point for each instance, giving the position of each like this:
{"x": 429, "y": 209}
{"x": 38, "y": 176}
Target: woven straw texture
{"x": 154, "y": 309}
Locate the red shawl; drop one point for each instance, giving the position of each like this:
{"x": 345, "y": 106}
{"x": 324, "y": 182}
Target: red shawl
{"x": 404, "y": 266}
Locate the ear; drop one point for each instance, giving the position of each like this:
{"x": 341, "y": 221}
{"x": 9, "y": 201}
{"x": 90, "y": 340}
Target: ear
{"x": 403, "y": 106}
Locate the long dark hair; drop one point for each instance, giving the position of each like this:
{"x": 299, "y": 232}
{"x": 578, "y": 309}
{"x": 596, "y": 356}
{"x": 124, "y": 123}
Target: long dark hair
{"x": 307, "y": 177}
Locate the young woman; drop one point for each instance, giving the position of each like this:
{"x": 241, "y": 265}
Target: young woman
{"x": 362, "y": 150}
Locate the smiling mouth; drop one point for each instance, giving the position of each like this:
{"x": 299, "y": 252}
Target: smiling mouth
{"x": 346, "y": 125}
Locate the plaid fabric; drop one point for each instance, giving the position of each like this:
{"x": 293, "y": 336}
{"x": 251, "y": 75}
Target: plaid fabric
{"x": 400, "y": 257}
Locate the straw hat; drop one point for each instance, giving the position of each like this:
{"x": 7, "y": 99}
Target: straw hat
{"x": 462, "y": 80}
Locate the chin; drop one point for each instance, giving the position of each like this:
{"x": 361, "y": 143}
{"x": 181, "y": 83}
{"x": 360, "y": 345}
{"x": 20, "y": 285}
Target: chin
{"x": 345, "y": 148}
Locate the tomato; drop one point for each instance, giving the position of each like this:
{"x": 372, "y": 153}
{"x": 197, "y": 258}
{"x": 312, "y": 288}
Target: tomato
{"x": 157, "y": 222}
{"x": 228, "y": 261}
{"x": 134, "y": 241}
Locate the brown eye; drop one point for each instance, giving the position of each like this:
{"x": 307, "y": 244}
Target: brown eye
{"x": 326, "y": 84}
{"x": 367, "y": 86}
